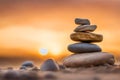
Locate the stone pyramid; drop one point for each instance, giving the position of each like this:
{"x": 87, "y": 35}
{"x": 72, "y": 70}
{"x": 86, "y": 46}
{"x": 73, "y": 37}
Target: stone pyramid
{"x": 85, "y": 53}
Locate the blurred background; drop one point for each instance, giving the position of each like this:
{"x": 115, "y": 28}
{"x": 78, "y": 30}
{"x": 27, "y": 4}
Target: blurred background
{"x": 39, "y": 29}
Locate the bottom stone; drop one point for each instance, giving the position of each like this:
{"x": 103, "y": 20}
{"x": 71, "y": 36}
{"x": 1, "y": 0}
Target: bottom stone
{"x": 89, "y": 59}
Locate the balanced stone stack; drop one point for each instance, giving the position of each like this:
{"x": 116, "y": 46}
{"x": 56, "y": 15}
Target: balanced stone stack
{"x": 86, "y": 53}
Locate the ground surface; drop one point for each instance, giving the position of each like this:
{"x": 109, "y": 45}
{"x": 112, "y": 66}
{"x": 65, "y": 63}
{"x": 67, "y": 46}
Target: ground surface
{"x": 93, "y": 73}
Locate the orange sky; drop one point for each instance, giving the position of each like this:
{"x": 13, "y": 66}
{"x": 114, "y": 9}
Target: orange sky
{"x": 26, "y": 26}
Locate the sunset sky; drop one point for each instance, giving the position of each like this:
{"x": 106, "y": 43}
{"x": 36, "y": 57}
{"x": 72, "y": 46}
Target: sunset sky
{"x": 26, "y": 26}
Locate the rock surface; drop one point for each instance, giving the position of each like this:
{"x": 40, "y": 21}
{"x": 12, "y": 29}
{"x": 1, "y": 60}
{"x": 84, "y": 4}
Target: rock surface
{"x": 89, "y": 59}
{"x": 49, "y": 65}
{"x": 81, "y": 21}
{"x": 83, "y": 48}
{"x": 86, "y": 37}
{"x": 85, "y": 28}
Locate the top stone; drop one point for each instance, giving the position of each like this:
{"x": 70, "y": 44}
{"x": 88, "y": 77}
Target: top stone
{"x": 81, "y": 21}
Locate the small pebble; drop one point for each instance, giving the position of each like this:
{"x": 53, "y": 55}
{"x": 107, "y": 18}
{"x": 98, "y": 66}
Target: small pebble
{"x": 81, "y": 21}
{"x": 28, "y": 64}
{"x": 49, "y": 65}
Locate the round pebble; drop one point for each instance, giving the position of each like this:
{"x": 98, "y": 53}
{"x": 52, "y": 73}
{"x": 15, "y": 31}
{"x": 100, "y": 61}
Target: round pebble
{"x": 28, "y": 64}
{"x": 49, "y": 65}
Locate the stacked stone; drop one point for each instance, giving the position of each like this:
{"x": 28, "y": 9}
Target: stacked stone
{"x": 85, "y": 52}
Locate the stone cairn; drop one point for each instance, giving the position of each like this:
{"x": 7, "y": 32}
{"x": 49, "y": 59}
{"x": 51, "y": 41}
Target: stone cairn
{"x": 86, "y": 54}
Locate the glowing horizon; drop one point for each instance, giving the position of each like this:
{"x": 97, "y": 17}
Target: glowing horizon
{"x": 28, "y": 26}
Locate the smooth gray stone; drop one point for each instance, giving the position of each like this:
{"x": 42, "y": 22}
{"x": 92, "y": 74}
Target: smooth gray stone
{"x": 81, "y": 21}
{"x": 28, "y": 64}
{"x": 49, "y": 65}
{"x": 89, "y": 59}
{"x": 83, "y": 48}
{"x": 85, "y": 28}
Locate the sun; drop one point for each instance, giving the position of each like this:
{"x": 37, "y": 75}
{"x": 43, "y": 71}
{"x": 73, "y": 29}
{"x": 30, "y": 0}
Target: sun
{"x": 43, "y": 51}
{"x": 53, "y": 51}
